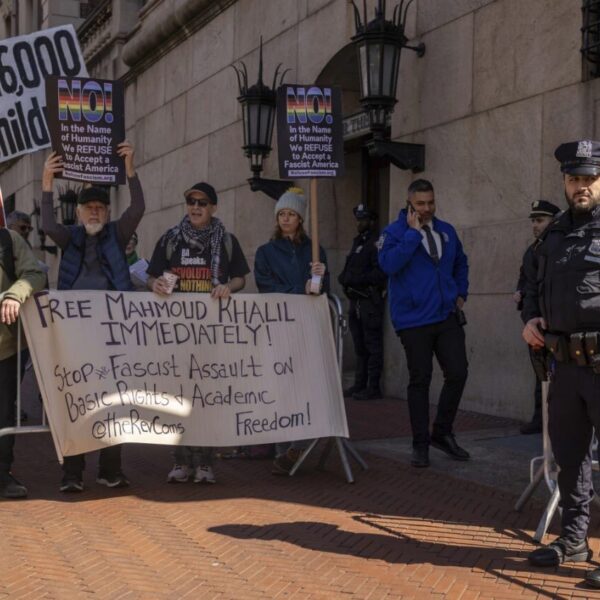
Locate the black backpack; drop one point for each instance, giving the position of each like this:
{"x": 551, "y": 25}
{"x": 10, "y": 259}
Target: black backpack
{"x": 7, "y": 256}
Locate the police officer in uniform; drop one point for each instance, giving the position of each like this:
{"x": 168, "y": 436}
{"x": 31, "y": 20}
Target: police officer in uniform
{"x": 364, "y": 284}
{"x": 541, "y": 215}
{"x": 561, "y": 313}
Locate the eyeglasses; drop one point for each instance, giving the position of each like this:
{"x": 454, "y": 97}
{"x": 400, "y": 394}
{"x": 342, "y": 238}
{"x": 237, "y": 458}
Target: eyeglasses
{"x": 25, "y": 228}
{"x": 195, "y": 202}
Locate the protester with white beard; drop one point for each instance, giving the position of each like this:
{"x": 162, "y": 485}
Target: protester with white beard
{"x": 93, "y": 259}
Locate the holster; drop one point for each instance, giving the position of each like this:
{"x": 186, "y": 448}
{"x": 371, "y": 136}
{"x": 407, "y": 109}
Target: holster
{"x": 540, "y": 362}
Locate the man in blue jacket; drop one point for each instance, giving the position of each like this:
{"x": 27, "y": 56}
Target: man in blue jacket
{"x": 428, "y": 284}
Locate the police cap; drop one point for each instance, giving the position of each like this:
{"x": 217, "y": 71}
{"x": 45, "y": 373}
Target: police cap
{"x": 362, "y": 211}
{"x": 579, "y": 158}
{"x": 543, "y": 208}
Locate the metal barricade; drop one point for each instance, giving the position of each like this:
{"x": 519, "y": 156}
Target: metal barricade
{"x": 545, "y": 467}
{"x": 19, "y": 429}
{"x": 343, "y": 445}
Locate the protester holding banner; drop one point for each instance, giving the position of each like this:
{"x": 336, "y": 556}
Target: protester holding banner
{"x": 197, "y": 255}
{"x": 284, "y": 265}
{"x": 20, "y": 276}
{"x": 93, "y": 259}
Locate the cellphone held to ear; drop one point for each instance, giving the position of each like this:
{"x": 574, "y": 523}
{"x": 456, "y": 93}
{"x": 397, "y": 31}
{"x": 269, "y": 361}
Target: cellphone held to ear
{"x": 411, "y": 209}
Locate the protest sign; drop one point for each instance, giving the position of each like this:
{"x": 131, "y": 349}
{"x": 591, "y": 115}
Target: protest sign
{"x": 2, "y": 211}
{"x": 133, "y": 367}
{"x": 25, "y": 62}
{"x": 86, "y": 119}
{"x": 310, "y": 131}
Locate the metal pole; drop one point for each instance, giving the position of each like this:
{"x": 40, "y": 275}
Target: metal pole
{"x": 528, "y": 491}
{"x": 547, "y": 516}
{"x": 18, "y": 373}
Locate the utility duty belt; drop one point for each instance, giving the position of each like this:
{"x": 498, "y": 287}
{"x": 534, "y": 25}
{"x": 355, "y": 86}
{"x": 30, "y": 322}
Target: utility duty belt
{"x": 581, "y": 348}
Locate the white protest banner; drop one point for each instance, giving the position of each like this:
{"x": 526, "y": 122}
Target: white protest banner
{"x": 132, "y": 367}
{"x": 25, "y": 62}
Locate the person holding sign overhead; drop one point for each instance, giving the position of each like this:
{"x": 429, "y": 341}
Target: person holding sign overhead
{"x": 197, "y": 255}
{"x": 284, "y": 265}
{"x": 93, "y": 259}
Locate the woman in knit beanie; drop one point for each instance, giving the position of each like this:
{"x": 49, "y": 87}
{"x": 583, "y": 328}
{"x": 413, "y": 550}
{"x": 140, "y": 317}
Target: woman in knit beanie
{"x": 284, "y": 265}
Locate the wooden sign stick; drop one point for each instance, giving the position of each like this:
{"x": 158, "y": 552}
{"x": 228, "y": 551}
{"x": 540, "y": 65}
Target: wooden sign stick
{"x": 315, "y": 284}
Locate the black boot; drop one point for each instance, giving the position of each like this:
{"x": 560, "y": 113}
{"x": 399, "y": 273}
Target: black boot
{"x": 368, "y": 393}
{"x": 592, "y": 578}
{"x": 559, "y": 551}
{"x": 354, "y": 389}
{"x": 420, "y": 457}
{"x": 10, "y": 487}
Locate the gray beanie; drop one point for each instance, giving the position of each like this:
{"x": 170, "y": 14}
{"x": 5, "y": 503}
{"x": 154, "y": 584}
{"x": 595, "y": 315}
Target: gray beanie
{"x": 294, "y": 200}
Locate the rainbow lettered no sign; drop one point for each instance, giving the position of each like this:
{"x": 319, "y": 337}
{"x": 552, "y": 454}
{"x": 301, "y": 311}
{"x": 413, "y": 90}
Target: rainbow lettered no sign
{"x": 309, "y": 131}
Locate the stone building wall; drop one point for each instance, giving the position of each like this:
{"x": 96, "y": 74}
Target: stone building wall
{"x": 498, "y": 88}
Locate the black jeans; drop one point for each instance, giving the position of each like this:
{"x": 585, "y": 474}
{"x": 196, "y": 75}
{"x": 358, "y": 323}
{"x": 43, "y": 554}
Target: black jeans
{"x": 8, "y": 398}
{"x": 445, "y": 340}
{"x": 109, "y": 462}
{"x": 365, "y": 321}
{"x": 573, "y": 413}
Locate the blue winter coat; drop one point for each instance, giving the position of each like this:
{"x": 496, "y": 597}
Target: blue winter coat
{"x": 283, "y": 267}
{"x": 422, "y": 292}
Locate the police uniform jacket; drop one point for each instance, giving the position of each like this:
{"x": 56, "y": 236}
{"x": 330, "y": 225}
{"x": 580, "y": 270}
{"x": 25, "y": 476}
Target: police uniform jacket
{"x": 362, "y": 278}
{"x": 563, "y": 275}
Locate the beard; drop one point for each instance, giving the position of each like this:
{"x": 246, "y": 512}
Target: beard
{"x": 593, "y": 201}
{"x": 93, "y": 228}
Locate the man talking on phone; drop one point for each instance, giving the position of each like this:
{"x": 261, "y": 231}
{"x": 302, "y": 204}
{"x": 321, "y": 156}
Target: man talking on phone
{"x": 428, "y": 285}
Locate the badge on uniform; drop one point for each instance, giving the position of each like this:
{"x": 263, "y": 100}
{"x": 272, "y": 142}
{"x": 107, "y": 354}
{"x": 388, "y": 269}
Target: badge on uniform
{"x": 358, "y": 249}
{"x": 594, "y": 248}
{"x": 584, "y": 149}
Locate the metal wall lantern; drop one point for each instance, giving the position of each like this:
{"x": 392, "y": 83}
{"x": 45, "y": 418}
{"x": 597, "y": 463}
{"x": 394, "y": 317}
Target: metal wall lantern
{"x": 67, "y": 198}
{"x": 379, "y": 44}
{"x": 259, "y": 103}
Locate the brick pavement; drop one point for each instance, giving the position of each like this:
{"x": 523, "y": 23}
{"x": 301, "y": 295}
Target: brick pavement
{"x": 389, "y": 418}
{"x": 396, "y": 533}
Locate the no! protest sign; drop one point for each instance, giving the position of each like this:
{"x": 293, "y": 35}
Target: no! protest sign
{"x": 310, "y": 131}
{"x": 86, "y": 119}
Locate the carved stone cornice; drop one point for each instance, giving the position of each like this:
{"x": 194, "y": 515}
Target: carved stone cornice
{"x": 163, "y": 25}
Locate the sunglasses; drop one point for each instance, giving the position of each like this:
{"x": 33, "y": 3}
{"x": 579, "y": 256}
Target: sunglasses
{"x": 196, "y": 202}
{"x": 25, "y": 228}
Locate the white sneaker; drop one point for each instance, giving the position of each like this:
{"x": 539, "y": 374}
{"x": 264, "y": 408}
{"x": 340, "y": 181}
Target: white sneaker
{"x": 179, "y": 474}
{"x": 204, "y": 474}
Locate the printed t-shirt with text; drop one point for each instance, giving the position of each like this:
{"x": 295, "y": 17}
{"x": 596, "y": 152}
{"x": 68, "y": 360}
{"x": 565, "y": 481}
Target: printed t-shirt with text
{"x": 192, "y": 265}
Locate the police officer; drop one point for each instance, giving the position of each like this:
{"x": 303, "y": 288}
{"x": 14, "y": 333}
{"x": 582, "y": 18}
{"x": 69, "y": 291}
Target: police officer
{"x": 561, "y": 311}
{"x": 541, "y": 215}
{"x": 364, "y": 284}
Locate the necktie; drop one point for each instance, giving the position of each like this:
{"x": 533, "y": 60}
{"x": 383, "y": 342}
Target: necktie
{"x": 433, "y": 251}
